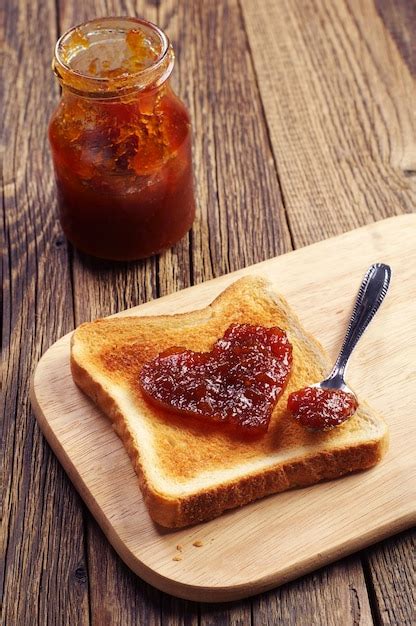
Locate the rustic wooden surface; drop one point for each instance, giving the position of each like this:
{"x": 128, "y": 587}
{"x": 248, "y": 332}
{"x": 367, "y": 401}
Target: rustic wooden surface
{"x": 302, "y": 113}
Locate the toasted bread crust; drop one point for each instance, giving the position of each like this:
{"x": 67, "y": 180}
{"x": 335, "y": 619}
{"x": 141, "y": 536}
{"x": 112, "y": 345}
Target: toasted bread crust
{"x": 211, "y": 501}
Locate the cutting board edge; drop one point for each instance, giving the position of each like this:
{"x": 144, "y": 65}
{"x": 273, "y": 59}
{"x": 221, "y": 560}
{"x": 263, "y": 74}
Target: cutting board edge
{"x": 252, "y": 587}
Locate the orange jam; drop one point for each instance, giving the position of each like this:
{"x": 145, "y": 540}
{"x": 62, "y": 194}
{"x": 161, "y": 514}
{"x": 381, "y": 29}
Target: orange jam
{"x": 121, "y": 141}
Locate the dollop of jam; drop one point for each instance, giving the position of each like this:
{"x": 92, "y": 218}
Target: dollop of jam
{"x": 321, "y": 409}
{"x": 236, "y": 384}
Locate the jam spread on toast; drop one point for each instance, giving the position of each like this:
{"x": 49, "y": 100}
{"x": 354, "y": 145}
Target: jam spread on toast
{"x": 321, "y": 409}
{"x": 237, "y": 383}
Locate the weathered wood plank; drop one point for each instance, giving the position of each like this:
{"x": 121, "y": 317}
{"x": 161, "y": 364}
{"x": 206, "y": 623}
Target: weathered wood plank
{"x": 177, "y": 612}
{"x": 390, "y": 565}
{"x": 391, "y": 568}
{"x": 339, "y": 102}
{"x": 117, "y": 595}
{"x": 43, "y": 571}
{"x": 329, "y": 597}
{"x": 231, "y": 614}
{"x": 240, "y": 212}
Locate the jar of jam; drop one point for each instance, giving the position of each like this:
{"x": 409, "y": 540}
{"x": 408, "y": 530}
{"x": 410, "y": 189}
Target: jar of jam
{"x": 121, "y": 141}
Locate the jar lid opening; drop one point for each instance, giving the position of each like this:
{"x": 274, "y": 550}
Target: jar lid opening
{"x": 113, "y": 55}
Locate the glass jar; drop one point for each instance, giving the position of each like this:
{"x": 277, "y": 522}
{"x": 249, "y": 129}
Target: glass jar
{"x": 120, "y": 140}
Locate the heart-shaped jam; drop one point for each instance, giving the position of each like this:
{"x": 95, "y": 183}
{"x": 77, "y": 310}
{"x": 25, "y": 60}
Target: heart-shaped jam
{"x": 237, "y": 383}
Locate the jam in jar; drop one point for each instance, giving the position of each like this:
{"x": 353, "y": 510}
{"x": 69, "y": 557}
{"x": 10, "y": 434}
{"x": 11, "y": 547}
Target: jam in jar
{"x": 121, "y": 141}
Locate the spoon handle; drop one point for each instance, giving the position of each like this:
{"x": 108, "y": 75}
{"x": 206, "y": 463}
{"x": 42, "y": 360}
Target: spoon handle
{"x": 371, "y": 294}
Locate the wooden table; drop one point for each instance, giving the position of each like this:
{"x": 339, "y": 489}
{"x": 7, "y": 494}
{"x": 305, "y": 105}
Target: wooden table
{"x": 303, "y": 112}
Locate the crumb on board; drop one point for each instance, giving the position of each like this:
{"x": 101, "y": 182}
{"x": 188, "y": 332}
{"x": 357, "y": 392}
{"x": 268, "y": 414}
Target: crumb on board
{"x": 177, "y": 557}
{"x": 198, "y": 543}
{"x": 179, "y": 547}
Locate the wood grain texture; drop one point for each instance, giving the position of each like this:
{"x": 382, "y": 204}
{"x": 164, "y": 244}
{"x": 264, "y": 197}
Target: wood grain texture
{"x": 254, "y": 548}
{"x": 391, "y": 568}
{"x": 231, "y": 614}
{"x": 43, "y": 580}
{"x": 339, "y": 103}
{"x": 236, "y": 184}
{"x": 178, "y": 612}
{"x": 117, "y": 596}
{"x": 329, "y": 125}
{"x": 343, "y": 582}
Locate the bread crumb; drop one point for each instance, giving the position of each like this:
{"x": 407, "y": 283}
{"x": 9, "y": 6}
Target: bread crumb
{"x": 179, "y": 547}
{"x": 198, "y": 543}
{"x": 177, "y": 557}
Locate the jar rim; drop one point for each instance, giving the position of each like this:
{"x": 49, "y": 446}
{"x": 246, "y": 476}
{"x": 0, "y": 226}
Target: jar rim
{"x": 103, "y": 86}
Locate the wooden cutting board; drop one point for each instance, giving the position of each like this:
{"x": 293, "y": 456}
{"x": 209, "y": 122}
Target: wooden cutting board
{"x": 280, "y": 537}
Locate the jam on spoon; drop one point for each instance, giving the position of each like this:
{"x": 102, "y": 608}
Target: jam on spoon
{"x": 237, "y": 384}
{"x": 331, "y": 402}
{"x": 321, "y": 409}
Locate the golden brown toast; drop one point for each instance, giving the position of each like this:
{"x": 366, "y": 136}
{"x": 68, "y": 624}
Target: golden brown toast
{"x": 190, "y": 471}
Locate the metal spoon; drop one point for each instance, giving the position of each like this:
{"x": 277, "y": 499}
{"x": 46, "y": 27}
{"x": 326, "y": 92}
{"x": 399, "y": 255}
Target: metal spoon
{"x": 371, "y": 294}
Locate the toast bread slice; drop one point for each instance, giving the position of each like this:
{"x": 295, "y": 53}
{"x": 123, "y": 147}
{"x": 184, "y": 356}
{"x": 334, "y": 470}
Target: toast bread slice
{"x": 189, "y": 470}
